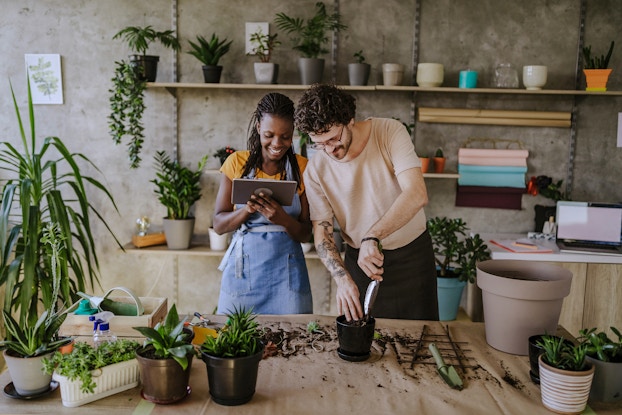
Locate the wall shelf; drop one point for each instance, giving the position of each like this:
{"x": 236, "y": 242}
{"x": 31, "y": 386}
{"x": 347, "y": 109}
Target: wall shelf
{"x": 198, "y": 248}
{"x": 446, "y": 175}
{"x": 173, "y": 86}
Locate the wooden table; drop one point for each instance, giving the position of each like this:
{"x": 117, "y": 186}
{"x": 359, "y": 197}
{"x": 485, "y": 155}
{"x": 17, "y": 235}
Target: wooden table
{"x": 308, "y": 377}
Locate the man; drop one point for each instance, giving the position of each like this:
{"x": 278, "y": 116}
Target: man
{"x": 369, "y": 179}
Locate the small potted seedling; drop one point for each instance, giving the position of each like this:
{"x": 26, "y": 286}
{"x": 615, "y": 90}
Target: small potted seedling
{"x": 358, "y": 72}
{"x": 439, "y": 161}
{"x": 266, "y": 72}
{"x": 596, "y": 69}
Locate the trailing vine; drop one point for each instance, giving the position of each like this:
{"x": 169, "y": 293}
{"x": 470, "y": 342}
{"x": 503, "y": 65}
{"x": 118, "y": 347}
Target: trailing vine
{"x": 127, "y": 107}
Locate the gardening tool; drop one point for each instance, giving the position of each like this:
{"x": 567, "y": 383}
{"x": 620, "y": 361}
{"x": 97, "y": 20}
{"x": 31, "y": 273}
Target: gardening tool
{"x": 448, "y": 373}
{"x": 370, "y": 297}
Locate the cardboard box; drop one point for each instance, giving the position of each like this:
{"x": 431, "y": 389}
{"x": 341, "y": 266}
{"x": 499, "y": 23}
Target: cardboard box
{"x": 122, "y": 326}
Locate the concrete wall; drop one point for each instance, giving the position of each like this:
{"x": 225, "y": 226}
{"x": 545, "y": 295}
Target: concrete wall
{"x": 460, "y": 34}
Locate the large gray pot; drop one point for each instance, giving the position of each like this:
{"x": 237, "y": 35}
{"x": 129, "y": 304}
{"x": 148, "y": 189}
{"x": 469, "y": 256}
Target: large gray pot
{"x": 311, "y": 70}
{"x": 358, "y": 73}
{"x": 27, "y": 374}
{"x": 521, "y": 299}
{"x": 178, "y": 232}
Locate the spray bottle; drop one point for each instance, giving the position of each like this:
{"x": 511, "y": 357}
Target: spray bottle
{"x": 101, "y": 328}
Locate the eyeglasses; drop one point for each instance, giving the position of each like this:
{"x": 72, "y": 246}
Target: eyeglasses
{"x": 333, "y": 142}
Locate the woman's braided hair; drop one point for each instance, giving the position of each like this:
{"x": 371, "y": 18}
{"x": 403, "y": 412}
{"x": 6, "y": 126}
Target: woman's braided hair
{"x": 322, "y": 106}
{"x": 280, "y": 106}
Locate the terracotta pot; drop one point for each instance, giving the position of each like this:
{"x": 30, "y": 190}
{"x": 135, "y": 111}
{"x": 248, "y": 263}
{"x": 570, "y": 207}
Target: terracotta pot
{"x": 425, "y": 164}
{"x": 439, "y": 164}
{"x": 564, "y": 391}
{"x": 521, "y": 299}
{"x": 596, "y": 79}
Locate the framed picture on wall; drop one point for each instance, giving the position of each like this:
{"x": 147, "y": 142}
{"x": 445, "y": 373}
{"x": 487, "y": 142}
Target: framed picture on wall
{"x": 45, "y": 77}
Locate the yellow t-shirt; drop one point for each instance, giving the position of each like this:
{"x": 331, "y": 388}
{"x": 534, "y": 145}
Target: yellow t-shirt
{"x": 234, "y": 166}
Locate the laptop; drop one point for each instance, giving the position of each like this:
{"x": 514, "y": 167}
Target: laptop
{"x": 589, "y": 227}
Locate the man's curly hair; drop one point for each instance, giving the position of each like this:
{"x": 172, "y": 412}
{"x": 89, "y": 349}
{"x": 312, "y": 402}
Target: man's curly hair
{"x": 322, "y": 106}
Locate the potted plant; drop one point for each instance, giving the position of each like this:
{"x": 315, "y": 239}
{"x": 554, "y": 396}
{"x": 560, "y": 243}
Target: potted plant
{"x": 456, "y": 255}
{"x": 165, "y": 359}
{"x": 27, "y": 344}
{"x": 139, "y": 39}
{"x": 439, "y": 161}
{"x": 88, "y": 373}
{"x": 209, "y": 53}
{"x": 43, "y": 195}
{"x": 223, "y": 152}
{"x": 545, "y": 186}
{"x": 358, "y": 72}
{"x": 596, "y": 69}
{"x": 177, "y": 187}
{"x": 606, "y": 356}
{"x": 126, "y": 109}
{"x": 232, "y": 358}
{"x": 309, "y": 38}
{"x": 266, "y": 72}
{"x": 565, "y": 376}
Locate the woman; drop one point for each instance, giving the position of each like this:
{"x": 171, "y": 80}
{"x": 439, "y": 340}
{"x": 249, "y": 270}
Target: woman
{"x": 264, "y": 267}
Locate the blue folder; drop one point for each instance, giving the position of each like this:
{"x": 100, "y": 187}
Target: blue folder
{"x": 500, "y": 176}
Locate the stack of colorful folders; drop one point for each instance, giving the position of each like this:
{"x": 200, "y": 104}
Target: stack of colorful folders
{"x": 492, "y": 178}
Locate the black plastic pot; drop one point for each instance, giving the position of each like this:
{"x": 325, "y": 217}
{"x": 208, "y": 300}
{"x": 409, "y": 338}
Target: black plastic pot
{"x": 211, "y": 74}
{"x": 232, "y": 381}
{"x": 149, "y": 65}
{"x": 355, "y": 339}
{"x": 534, "y": 352}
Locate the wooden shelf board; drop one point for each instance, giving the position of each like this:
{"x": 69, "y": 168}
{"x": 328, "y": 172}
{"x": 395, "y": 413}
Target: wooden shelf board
{"x": 196, "y": 249}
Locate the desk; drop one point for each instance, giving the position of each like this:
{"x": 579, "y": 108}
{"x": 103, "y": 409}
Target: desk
{"x": 303, "y": 380}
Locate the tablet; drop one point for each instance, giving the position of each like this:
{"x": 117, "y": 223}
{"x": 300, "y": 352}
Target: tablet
{"x": 280, "y": 190}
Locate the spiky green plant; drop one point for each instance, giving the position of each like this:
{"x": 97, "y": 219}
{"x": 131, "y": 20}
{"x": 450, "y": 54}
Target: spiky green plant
{"x": 562, "y": 354}
{"x": 45, "y": 185}
{"x": 239, "y": 337}
{"x": 209, "y": 52}
{"x": 596, "y": 62}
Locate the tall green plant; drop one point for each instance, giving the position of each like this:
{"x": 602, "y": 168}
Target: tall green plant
{"x": 46, "y": 185}
{"x": 177, "y": 187}
{"x": 310, "y": 36}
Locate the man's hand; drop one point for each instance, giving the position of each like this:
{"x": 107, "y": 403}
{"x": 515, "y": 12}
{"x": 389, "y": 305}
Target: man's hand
{"x": 371, "y": 260}
{"x": 348, "y": 302}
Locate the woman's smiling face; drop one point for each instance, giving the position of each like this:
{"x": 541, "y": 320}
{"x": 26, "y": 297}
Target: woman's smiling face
{"x": 276, "y": 135}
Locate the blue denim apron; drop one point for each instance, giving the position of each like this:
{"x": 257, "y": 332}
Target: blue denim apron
{"x": 264, "y": 269}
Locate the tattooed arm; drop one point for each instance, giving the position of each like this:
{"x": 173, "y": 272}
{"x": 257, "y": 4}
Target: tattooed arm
{"x": 348, "y": 302}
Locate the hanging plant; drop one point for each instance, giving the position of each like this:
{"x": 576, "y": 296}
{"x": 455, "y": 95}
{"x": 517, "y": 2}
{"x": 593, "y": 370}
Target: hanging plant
{"x": 127, "y": 107}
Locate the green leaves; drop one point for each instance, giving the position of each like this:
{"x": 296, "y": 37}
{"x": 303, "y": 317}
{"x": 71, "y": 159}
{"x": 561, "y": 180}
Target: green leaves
{"x": 209, "y": 52}
{"x": 310, "y": 36}
{"x": 562, "y": 353}
{"x": 45, "y": 185}
{"x": 126, "y": 108}
{"x": 139, "y": 38}
{"x": 600, "y": 346}
{"x": 168, "y": 339}
{"x": 596, "y": 62}
{"x": 84, "y": 358}
{"x": 177, "y": 187}
{"x": 238, "y": 338}
{"x": 453, "y": 248}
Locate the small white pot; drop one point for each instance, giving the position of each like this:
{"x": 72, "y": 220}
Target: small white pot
{"x": 392, "y": 73}
{"x": 430, "y": 74}
{"x": 564, "y": 391}
{"x": 218, "y": 242}
{"x": 534, "y": 76}
{"x": 27, "y": 374}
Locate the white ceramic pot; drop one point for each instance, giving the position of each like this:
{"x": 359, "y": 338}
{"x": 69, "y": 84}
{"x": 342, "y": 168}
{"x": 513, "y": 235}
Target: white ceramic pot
{"x": 521, "y": 299}
{"x": 306, "y": 247}
{"x": 392, "y": 74}
{"x": 564, "y": 391}
{"x": 534, "y": 76}
{"x": 27, "y": 374}
{"x": 218, "y": 242}
{"x": 430, "y": 74}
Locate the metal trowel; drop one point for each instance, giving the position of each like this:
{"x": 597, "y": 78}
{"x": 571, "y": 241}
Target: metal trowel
{"x": 448, "y": 373}
{"x": 370, "y": 297}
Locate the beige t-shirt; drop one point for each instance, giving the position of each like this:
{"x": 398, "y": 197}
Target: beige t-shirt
{"x": 360, "y": 191}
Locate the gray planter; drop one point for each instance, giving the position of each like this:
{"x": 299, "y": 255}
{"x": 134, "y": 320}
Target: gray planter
{"x": 311, "y": 70}
{"x": 266, "y": 72}
{"x": 607, "y": 383}
{"x": 358, "y": 73}
{"x": 178, "y": 232}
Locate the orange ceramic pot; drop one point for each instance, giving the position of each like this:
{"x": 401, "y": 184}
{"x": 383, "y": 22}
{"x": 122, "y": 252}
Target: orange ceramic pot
{"x": 596, "y": 79}
{"x": 439, "y": 164}
{"x": 425, "y": 164}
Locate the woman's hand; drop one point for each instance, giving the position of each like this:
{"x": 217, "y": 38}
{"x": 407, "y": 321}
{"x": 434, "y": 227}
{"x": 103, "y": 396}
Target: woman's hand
{"x": 268, "y": 207}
